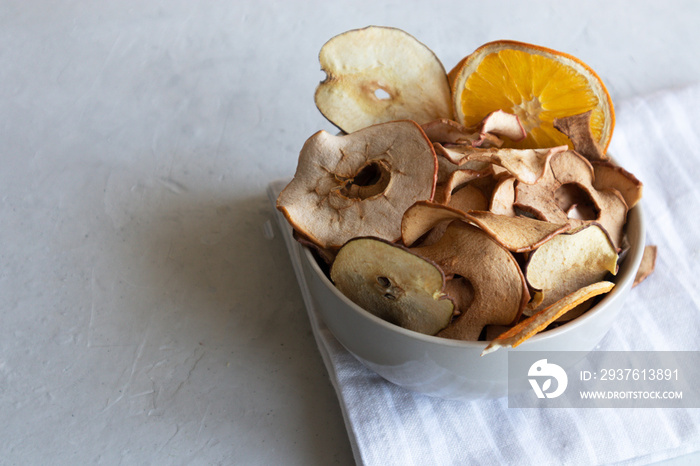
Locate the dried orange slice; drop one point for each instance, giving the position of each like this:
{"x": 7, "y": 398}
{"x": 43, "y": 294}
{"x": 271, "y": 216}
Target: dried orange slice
{"x": 535, "y": 83}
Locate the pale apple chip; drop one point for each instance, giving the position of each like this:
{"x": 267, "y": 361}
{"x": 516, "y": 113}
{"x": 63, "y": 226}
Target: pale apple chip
{"x": 538, "y": 322}
{"x": 379, "y": 74}
{"x": 570, "y": 261}
{"x": 578, "y": 129}
{"x": 359, "y": 184}
{"x": 394, "y": 284}
{"x": 611, "y": 176}
{"x": 503, "y": 197}
{"x": 500, "y": 292}
{"x": 505, "y": 124}
{"x": 647, "y": 266}
{"x": 517, "y": 234}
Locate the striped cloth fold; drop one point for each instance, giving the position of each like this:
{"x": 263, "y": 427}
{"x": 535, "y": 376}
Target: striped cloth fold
{"x": 657, "y": 138}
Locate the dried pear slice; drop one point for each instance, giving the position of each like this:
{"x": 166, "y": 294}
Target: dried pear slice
{"x": 500, "y": 292}
{"x": 538, "y": 322}
{"x": 570, "y": 261}
{"x": 359, "y": 184}
{"x": 380, "y": 74}
{"x": 394, "y": 284}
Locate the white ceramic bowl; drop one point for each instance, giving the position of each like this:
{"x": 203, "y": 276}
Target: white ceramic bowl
{"x": 452, "y": 369}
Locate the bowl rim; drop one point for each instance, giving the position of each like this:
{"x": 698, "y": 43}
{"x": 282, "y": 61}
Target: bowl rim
{"x": 623, "y": 281}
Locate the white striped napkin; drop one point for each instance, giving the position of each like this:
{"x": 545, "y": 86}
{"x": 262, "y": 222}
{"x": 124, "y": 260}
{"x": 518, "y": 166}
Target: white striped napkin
{"x": 658, "y": 139}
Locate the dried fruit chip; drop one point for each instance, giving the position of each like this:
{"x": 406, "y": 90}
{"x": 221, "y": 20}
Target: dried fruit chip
{"x": 505, "y": 124}
{"x": 570, "y": 261}
{"x": 578, "y": 129}
{"x": 503, "y": 197}
{"x": 538, "y": 322}
{"x": 500, "y": 292}
{"x": 447, "y": 131}
{"x": 517, "y": 234}
{"x": 647, "y": 266}
{"x": 468, "y": 198}
{"x": 527, "y": 165}
{"x": 380, "y": 74}
{"x": 569, "y": 170}
{"x": 611, "y": 176}
{"x": 359, "y": 184}
{"x": 394, "y": 284}
{"x": 423, "y": 216}
{"x": 452, "y": 176}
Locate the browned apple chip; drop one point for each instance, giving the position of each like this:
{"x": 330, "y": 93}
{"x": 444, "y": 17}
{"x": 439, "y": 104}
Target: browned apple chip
{"x": 578, "y": 129}
{"x": 527, "y": 165}
{"x": 611, "y": 176}
{"x": 394, "y": 284}
{"x": 538, "y": 322}
{"x": 517, "y": 234}
{"x": 569, "y": 171}
{"x": 451, "y": 177}
{"x": 468, "y": 198}
{"x": 570, "y": 261}
{"x": 423, "y": 216}
{"x": 359, "y": 184}
{"x": 445, "y": 131}
{"x": 647, "y": 266}
{"x": 380, "y": 74}
{"x": 500, "y": 292}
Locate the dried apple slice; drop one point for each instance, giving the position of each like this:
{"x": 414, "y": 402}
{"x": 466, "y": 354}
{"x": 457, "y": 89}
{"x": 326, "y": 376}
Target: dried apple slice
{"x": 359, "y": 184}
{"x": 527, "y": 165}
{"x": 578, "y": 129}
{"x": 570, "y": 261}
{"x": 538, "y": 322}
{"x": 380, "y": 74}
{"x": 569, "y": 172}
{"x": 394, "y": 284}
{"x": 611, "y": 176}
{"x": 445, "y": 131}
{"x": 468, "y": 198}
{"x": 504, "y": 124}
{"x": 423, "y": 216}
{"x": 517, "y": 234}
{"x": 647, "y": 266}
{"x": 500, "y": 292}
{"x": 503, "y": 197}
{"x": 452, "y": 176}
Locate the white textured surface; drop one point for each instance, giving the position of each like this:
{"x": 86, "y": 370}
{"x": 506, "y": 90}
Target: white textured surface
{"x": 145, "y": 316}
